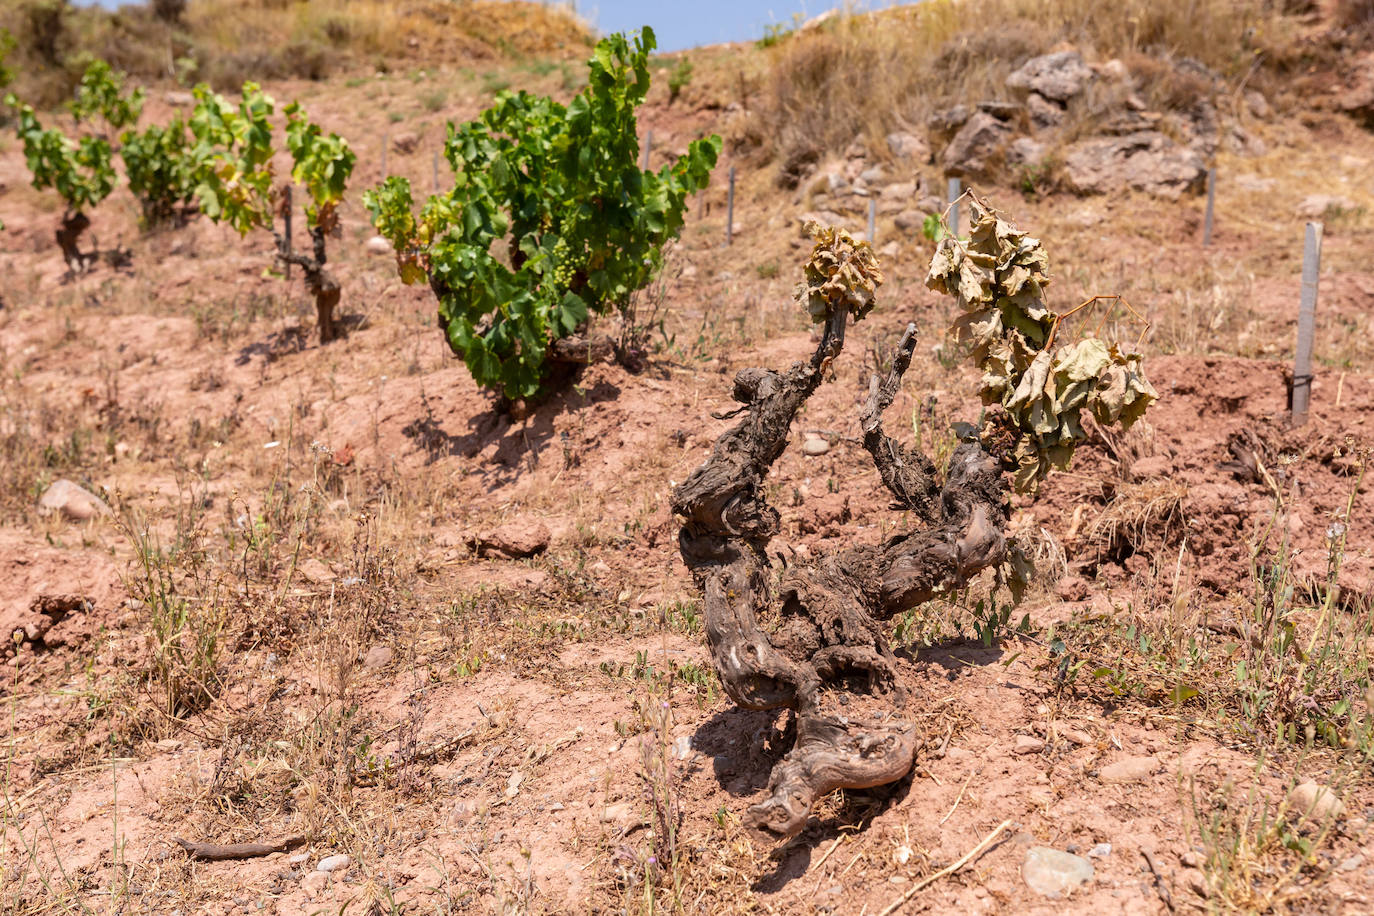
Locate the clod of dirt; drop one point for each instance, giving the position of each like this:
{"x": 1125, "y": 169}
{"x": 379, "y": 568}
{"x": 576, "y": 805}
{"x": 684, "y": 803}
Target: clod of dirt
{"x": 1053, "y": 873}
{"x": 1028, "y": 744}
{"x": 315, "y": 572}
{"x": 1310, "y": 799}
{"x": 72, "y": 500}
{"x": 515, "y": 540}
{"x": 1131, "y": 769}
{"x": 44, "y": 613}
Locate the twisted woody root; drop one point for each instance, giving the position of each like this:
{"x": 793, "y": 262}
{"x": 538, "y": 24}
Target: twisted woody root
{"x": 829, "y": 646}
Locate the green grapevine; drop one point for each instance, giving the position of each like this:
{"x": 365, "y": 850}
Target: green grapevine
{"x": 101, "y": 92}
{"x": 81, "y": 171}
{"x": 233, "y": 157}
{"x": 160, "y": 167}
{"x": 586, "y": 225}
{"x": 322, "y": 164}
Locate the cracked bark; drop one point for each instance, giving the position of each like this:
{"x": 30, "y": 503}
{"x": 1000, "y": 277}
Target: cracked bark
{"x": 319, "y": 281}
{"x": 69, "y": 231}
{"x": 819, "y": 646}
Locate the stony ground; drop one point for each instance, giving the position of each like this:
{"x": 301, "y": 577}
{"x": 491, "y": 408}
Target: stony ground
{"x": 330, "y": 597}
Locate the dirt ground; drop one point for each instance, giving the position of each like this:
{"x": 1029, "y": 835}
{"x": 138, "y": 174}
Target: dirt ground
{"x": 292, "y": 624}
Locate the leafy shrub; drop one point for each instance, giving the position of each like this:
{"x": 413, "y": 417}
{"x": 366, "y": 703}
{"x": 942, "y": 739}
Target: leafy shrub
{"x": 234, "y": 157}
{"x": 101, "y": 92}
{"x": 161, "y": 169}
{"x": 561, "y": 184}
{"x": 81, "y": 171}
{"x": 678, "y": 78}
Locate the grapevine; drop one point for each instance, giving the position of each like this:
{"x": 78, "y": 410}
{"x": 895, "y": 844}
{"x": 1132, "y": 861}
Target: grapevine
{"x": 587, "y": 225}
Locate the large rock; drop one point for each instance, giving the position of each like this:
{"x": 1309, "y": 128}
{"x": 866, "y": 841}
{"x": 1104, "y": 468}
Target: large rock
{"x": 1043, "y": 113}
{"x": 908, "y": 146}
{"x": 972, "y": 148}
{"x": 1060, "y": 76}
{"x": 1146, "y": 161}
{"x": 72, "y": 500}
{"x": 515, "y": 540}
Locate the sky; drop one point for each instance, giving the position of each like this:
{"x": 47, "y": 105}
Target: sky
{"x": 678, "y": 24}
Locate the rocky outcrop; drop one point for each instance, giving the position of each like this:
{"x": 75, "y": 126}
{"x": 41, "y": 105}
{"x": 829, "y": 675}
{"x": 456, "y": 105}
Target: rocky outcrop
{"x": 1058, "y": 77}
{"x": 1146, "y": 161}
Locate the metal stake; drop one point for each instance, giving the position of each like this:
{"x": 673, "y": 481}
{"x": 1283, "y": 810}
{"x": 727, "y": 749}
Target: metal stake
{"x": 956, "y": 188}
{"x": 1211, "y": 201}
{"x": 872, "y": 220}
{"x": 1307, "y": 320}
{"x": 730, "y": 211}
{"x": 648, "y": 145}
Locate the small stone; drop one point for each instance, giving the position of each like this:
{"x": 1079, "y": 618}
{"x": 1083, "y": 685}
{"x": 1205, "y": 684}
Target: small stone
{"x": 1100, "y": 851}
{"x": 1351, "y": 863}
{"x": 1196, "y": 882}
{"x": 1131, "y": 769}
{"x": 1310, "y": 799}
{"x": 1028, "y": 744}
{"x": 314, "y": 884}
{"x": 1191, "y": 859}
{"x": 178, "y": 99}
{"x": 378, "y": 657}
{"x": 405, "y": 143}
{"x": 1071, "y": 588}
{"x": 299, "y": 858}
{"x": 872, "y": 176}
{"x": 682, "y": 747}
{"x": 315, "y": 572}
{"x": 1052, "y": 873}
{"x": 72, "y": 500}
{"x": 902, "y": 855}
{"x": 889, "y": 250}
{"x": 513, "y": 784}
{"x": 377, "y": 245}
{"x": 815, "y": 447}
{"x": 334, "y": 863}
{"x": 619, "y": 814}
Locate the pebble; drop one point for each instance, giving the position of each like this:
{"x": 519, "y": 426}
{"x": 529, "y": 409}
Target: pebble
{"x": 1130, "y": 769}
{"x": 815, "y": 447}
{"x": 1028, "y": 744}
{"x": 1100, "y": 851}
{"x": 1196, "y": 881}
{"x": 902, "y": 855}
{"x": 378, "y": 657}
{"x": 1052, "y": 873}
{"x": 1310, "y": 799}
{"x": 378, "y": 245}
{"x": 298, "y": 859}
{"x": 619, "y": 813}
{"x": 334, "y": 862}
{"x": 682, "y": 747}
{"x": 1351, "y": 863}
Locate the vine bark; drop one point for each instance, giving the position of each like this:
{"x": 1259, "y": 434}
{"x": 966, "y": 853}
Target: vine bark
{"x": 819, "y": 646}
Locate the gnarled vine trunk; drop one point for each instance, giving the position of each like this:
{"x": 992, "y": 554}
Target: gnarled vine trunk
{"x": 318, "y": 280}
{"x": 69, "y": 232}
{"x": 819, "y": 645}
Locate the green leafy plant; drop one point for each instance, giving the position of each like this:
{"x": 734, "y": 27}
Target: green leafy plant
{"x": 80, "y": 171}
{"x": 101, "y": 92}
{"x": 322, "y": 164}
{"x": 583, "y": 226}
{"x": 998, "y": 277}
{"x": 7, "y": 46}
{"x": 233, "y": 171}
{"x": 160, "y": 167}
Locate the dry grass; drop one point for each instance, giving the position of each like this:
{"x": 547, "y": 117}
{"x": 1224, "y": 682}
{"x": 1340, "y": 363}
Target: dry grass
{"x": 225, "y": 42}
{"x": 863, "y": 76}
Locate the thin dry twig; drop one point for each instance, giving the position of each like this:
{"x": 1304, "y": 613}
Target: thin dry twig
{"x": 946, "y": 871}
{"x": 958, "y": 799}
{"x": 1160, "y": 886}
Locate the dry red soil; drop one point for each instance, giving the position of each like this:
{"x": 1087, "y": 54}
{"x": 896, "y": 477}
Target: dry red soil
{"x": 482, "y": 734}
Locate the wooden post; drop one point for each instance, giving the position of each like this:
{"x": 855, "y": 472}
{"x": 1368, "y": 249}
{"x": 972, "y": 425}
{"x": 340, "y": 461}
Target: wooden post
{"x": 1307, "y": 320}
{"x": 730, "y": 210}
{"x": 648, "y": 145}
{"x": 386, "y": 138}
{"x": 954, "y": 191}
{"x": 872, "y": 220}
{"x": 1211, "y": 201}
{"x": 286, "y": 217}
